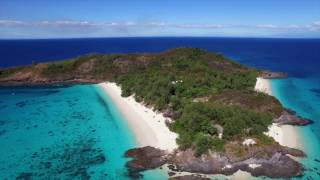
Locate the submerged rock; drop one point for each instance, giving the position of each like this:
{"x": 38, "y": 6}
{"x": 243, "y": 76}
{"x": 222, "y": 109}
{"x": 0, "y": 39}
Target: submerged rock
{"x": 24, "y": 176}
{"x": 143, "y": 159}
{"x": 2, "y": 122}
{"x": 189, "y": 177}
{"x": 2, "y": 132}
{"x": 146, "y": 158}
{"x": 72, "y": 160}
{"x": 21, "y": 104}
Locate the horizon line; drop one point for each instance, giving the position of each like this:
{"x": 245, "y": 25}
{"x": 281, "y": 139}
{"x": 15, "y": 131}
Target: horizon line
{"x": 115, "y": 37}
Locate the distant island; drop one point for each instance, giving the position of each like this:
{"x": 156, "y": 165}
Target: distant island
{"x": 208, "y": 102}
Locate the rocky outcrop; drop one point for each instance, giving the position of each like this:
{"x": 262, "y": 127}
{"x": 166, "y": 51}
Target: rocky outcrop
{"x": 271, "y": 161}
{"x": 146, "y": 158}
{"x": 273, "y": 75}
{"x": 143, "y": 159}
{"x": 278, "y": 166}
{"x": 290, "y": 118}
{"x": 291, "y": 151}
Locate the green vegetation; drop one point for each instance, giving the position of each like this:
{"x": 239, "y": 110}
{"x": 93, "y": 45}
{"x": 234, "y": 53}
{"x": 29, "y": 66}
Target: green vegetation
{"x": 174, "y": 84}
{"x": 5, "y": 73}
{"x": 196, "y": 125}
{"x": 202, "y": 92}
{"x": 8, "y": 72}
{"x": 59, "y": 67}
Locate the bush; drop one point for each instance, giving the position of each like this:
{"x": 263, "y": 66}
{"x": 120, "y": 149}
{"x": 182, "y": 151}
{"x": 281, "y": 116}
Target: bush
{"x": 203, "y": 143}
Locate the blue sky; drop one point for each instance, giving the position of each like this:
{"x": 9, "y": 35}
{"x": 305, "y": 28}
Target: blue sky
{"x": 114, "y": 18}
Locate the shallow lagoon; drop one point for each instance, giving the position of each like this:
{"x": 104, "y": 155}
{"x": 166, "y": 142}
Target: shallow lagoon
{"x": 66, "y": 132}
{"x": 301, "y": 95}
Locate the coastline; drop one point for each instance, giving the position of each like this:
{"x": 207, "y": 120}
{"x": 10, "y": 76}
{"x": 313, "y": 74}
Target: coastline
{"x": 150, "y": 129}
{"x": 285, "y": 135}
{"x": 148, "y": 126}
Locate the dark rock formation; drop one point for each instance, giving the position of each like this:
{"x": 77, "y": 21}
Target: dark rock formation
{"x": 273, "y": 75}
{"x": 278, "y": 166}
{"x": 292, "y": 151}
{"x": 289, "y": 118}
{"x": 206, "y": 164}
{"x": 144, "y": 158}
{"x": 271, "y": 161}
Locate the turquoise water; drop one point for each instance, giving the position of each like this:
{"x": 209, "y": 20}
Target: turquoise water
{"x": 65, "y": 132}
{"x": 302, "y": 96}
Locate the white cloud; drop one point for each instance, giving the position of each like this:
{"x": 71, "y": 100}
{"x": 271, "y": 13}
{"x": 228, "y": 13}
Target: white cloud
{"x": 162, "y": 25}
{"x": 317, "y": 23}
{"x": 294, "y": 26}
{"x": 135, "y": 24}
{"x": 199, "y": 26}
{"x": 11, "y": 23}
{"x": 132, "y": 28}
{"x": 67, "y": 23}
{"x": 267, "y": 26}
{"x": 315, "y": 26}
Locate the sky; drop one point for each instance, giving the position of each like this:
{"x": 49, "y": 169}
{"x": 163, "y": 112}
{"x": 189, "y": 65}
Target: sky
{"x": 132, "y": 18}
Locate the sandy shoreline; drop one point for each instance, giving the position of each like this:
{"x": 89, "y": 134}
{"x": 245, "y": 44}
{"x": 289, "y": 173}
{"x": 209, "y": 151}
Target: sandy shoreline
{"x": 285, "y": 135}
{"x": 148, "y": 126}
{"x": 263, "y": 85}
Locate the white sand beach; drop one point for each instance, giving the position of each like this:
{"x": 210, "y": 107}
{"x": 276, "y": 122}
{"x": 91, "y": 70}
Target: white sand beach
{"x": 240, "y": 175}
{"x": 148, "y": 126}
{"x": 263, "y": 85}
{"x": 285, "y": 135}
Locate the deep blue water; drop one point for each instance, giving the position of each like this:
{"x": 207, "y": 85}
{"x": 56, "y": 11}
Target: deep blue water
{"x": 299, "y": 57}
{"x": 300, "y": 92}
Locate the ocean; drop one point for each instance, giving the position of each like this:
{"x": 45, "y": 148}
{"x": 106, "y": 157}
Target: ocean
{"x": 38, "y": 124}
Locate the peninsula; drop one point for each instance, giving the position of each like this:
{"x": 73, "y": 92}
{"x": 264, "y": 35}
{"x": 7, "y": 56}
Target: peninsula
{"x": 191, "y": 110}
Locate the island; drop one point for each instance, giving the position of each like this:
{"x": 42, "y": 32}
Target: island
{"x": 212, "y": 119}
